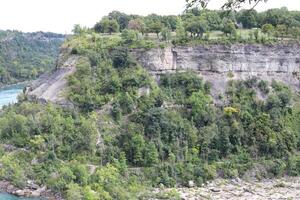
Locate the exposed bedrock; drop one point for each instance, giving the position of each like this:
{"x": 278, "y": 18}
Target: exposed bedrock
{"x": 215, "y": 63}
{"x": 220, "y": 63}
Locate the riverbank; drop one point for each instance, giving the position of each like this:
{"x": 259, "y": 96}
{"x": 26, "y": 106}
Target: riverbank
{"x": 31, "y": 190}
{"x": 238, "y": 189}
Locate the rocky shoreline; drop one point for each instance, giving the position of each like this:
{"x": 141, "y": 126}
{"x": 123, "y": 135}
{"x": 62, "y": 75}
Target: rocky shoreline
{"x": 31, "y": 190}
{"x": 287, "y": 188}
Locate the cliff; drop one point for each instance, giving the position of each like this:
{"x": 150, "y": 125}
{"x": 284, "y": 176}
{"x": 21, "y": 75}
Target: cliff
{"x": 217, "y": 64}
{"x": 52, "y": 86}
{"x": 220, "y": 63}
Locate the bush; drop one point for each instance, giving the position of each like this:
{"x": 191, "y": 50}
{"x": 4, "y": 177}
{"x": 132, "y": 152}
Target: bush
{"x": 263, "y": 86}
{"x": 293, "y": 165}
{"x": 276, "y": 167}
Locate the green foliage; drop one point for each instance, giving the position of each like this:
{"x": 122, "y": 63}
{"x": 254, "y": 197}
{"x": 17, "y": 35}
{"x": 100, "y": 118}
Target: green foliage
{"x": 268, "y": 29}
{"x": 107, "y": 25}
{"x": 229, "y": 27}
{"x": 25, "y": 56}
{"x": 128, "y": 131}
{"x": 12, "y": 170}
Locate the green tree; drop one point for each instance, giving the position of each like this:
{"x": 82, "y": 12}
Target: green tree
{"x": 180, "y": 31}
{"x": 137, "y": 25}
{"x": 151, "y": 155}
{"x": 129, "y": 36}
{"x": 229, "y": 27}
{"x": 197, "y": 26}
{"x": 107, "y": 25}
{"x": 248, "y": 18}
{"x": 281, "y": 30}
{"x": 155, "y": 27}
{"x": 268, "y": 29}
{"x": 122, "y": 19}
{"x": 165, "y": 34}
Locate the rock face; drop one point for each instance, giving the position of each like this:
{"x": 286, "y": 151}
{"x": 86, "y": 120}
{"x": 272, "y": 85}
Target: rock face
{"x": 215, "y": 62}
{"x": 52, "y": 86}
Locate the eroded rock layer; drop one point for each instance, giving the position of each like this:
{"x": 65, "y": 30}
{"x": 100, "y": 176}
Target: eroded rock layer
{"x": 220, "y": 63}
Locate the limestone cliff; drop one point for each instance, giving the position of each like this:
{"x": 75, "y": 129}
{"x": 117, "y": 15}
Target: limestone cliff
{"x": 52, "y": 86}
{"x": 215, "y": 62}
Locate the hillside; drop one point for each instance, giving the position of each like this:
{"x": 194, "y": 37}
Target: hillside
{"x": 124, "y": 114}
{"x": 25, "y": 56}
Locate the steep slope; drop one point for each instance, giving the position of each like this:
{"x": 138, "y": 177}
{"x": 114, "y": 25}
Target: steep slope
{"x": 51, "y": 86}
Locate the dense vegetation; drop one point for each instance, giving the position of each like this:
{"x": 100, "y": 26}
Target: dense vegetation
{"x": 199, "y": 25}
{"x": 129, "y": 133}
{"x": 24, "y": 56}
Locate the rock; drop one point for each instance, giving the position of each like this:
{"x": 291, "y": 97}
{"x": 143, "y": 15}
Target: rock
{"x": 10, "y": 187}
{"x": 20, "y": 192}
{"x": 215, "y": 190}
{"x": 51, "y": 86}
{"x": 213, "y": 62}
{"x": 34, "y": 161}
{"x": 191, "y": 184}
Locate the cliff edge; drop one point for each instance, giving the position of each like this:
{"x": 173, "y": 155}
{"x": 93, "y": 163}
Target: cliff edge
{"x": 217, "y": 64}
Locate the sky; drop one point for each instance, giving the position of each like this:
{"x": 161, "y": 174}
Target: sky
{"x": 60, "y": 15}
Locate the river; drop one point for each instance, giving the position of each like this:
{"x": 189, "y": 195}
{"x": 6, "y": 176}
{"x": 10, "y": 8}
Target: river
{"x": 9, "y": 94}
{"x": 4, "y": 196}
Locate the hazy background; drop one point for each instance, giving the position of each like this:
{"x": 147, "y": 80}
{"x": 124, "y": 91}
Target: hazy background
{"x": 60, "y": 15}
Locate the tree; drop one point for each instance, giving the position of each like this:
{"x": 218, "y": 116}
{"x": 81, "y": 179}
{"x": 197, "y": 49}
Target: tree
{"x": 197, "y": 26}
{"x": 180, "y": 31}
{"x": 107, "y": 26}
{"x": 151, "y": 155}
{"x": 137, "y": 25}
{"x": 129, "y": 36}
{"x": 248, "y": 18}
{"x": 77, "y": 29}
{"x": 213, "y": 19}
{"x": 229, "y": 27}
{"x": 155, "y": 27}
{"x": 121, "y": 18}
{"x": 268, "y": 29}
{"x": 229, "y": 4}
{"x": 281, "y": 30}
{"x": 165, "y": 34}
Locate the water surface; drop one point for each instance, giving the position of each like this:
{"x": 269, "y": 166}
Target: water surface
{"x": 4, "y": 196}
{"x": 9, "y": 94}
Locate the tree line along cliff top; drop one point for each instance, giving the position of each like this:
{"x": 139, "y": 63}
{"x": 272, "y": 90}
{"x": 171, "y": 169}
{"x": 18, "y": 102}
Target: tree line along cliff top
{"x": 196, "y": 26}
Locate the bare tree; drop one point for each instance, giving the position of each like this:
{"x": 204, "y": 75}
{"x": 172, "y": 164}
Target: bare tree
{"x": 229, "y": 4}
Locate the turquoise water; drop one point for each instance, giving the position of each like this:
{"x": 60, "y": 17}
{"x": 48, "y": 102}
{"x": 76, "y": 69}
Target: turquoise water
{"x": 9, "y": 94}
{"x": 4, "y": 196}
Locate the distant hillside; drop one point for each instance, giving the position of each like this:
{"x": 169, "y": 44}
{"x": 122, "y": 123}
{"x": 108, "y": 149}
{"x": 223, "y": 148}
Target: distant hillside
{"x": 24, "y": 56}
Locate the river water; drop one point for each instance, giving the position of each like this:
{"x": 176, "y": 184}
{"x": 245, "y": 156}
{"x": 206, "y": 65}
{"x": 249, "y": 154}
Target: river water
{"x": 4, "y": 196}
{"x": 9, "y": 94}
